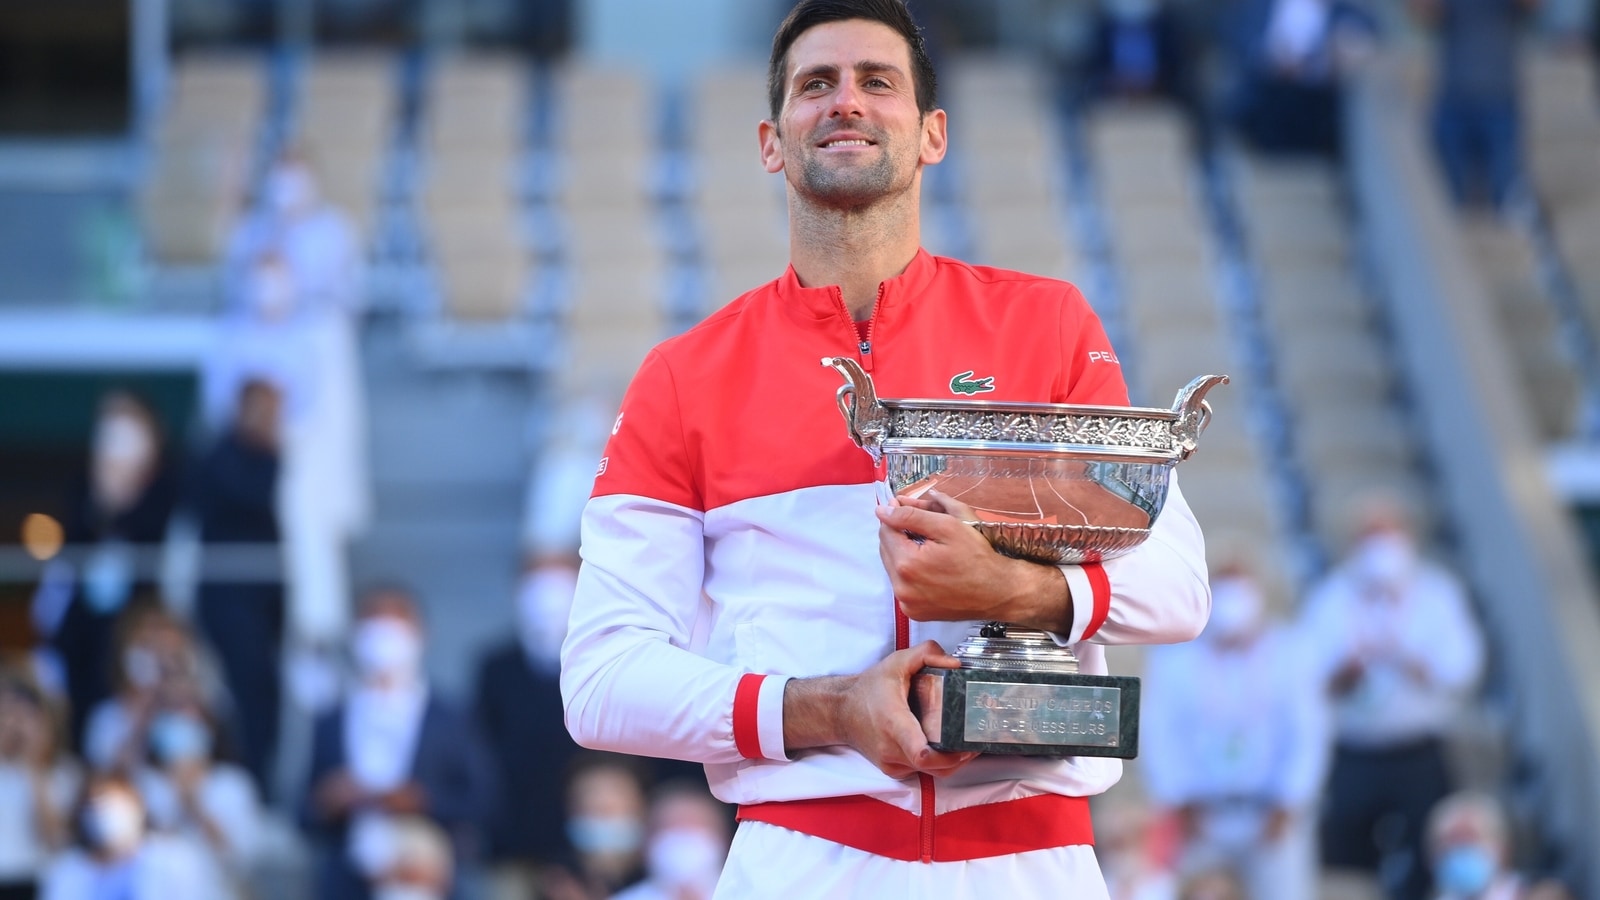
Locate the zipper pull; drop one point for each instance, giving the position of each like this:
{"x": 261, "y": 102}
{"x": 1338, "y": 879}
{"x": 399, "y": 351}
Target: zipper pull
{"x": 865, "y": 348}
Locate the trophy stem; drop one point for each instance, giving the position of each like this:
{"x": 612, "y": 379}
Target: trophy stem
{"x": 1002, "y": 647}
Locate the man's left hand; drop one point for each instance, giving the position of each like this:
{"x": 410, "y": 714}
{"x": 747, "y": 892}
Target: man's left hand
{"x": 949, "y": 572}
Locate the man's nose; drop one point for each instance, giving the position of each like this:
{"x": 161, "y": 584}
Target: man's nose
{"x": 846, "y": 101}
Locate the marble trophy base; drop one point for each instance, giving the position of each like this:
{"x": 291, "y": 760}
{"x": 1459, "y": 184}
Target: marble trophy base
{"x": 1000, "y": 703}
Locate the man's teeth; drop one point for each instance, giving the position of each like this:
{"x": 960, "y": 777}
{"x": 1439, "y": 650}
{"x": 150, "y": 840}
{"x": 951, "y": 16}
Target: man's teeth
{"x": 850, "y": 143}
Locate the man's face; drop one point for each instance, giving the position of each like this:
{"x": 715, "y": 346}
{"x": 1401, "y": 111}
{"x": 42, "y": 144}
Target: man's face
{"x": 850, "y": 132}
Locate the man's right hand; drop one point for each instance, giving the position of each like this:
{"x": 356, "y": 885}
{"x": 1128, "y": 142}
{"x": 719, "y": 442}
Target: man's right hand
{"x": 871, "y": 713}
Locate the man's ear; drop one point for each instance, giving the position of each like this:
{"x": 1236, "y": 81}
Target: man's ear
{"x": 771, "y": 146}
{"x": 935, "y": 139}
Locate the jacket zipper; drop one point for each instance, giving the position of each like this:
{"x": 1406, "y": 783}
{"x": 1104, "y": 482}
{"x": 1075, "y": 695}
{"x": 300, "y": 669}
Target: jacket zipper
{"x": 902, "y": 624}
{"x": 863, "y": 347}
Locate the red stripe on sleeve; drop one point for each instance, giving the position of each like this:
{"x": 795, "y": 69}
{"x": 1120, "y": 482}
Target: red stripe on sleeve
{"x": 1102, "y": 597}
{"x": 746, "y": 723}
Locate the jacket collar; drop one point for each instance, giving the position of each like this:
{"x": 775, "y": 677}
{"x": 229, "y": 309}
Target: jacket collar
{"x": 825, "y": 302}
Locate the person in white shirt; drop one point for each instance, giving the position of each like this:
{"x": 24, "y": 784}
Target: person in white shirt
{"x": 187, "y": 791}
{"x": 1469, "y": 844}
{"x": 1398, "y": 648}
{"x": 688, "y": 842}
{"x": 37, "y": 785}
{"x": 117, "y": 857}
{"x": 1236, "y": 742}
{"x": 316, "y": 239}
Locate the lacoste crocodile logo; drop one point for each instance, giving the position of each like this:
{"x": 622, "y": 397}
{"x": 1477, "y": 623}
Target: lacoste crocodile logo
{"x": 966, "y": 384}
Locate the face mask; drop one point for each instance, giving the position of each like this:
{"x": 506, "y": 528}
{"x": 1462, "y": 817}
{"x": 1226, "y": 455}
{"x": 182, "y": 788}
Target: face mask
{"x": 122, "y": 454}
{"x": 1466, "y": 870}
{"x": 542, "y": 608}
{"x": 386, "y": 647}
{"x": 684, "y": 857}
{"x": 1386, "y": 558}
{"x": 291, "y": 189}
{"x": 178, "y": 738}
{"x": 1236, "y": 608}
{"x": 605, "y": 834}
{"x": 108, "y": 577}
{"x": 141, "y": 667}
{"x": 114, "y": 823}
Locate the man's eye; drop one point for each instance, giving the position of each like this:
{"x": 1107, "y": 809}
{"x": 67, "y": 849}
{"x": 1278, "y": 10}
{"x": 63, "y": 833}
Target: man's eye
{"x": 877, "y": 83}
{"x": 815, "y": 84}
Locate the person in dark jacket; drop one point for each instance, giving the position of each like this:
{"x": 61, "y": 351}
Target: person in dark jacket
{"x": 124, "y": 510}
{"x": 519, "y": 709}
{"x": 393, "y": 751}
{"x": 234, "y": 497}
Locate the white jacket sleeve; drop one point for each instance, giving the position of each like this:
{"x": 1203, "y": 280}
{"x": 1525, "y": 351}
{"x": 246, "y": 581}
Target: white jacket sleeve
{"x": 1157, "y": 594}
{"x": 629, "y": 681}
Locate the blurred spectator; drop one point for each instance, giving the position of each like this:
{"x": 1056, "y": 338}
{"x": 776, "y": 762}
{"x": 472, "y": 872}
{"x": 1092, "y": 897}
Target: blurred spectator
{"x": 188, "y": 791}
{"x": 687, "y": 844}
{"x": 234, "y": 496}
{"x": 1476, "y": 123}
{"x": 519, "y": 708}
{"x": 1548, "y": 890}
{"x": 1469, "y": 844}
{"x": 322, "y": 492}
{"x": 37, "y": 785}
{"x": 129, "y": 500}
{"x": 606, "y": 825}
{"x": 1236, "y": 741}
{"x": 1144, "y": 48}
{"x": 1126, "y": 849}
{"x": 115, "y": 856}
{"x": 1400, "y": 651}
{"x": 160, "y": 671}
{"x": 316, "y": 241}
{"x": 392, "y": 749}
{"x": 412, "y": 860}
{"x": 1292, "y": 55}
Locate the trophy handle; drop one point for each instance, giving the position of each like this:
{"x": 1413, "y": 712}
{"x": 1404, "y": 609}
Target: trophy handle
{"x": 1193, "y": 412}
{"x": 858, "y": 403}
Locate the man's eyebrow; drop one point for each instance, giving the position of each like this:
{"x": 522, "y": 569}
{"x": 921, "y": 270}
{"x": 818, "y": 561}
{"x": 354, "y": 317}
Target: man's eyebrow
{"x": 828, "y": 70}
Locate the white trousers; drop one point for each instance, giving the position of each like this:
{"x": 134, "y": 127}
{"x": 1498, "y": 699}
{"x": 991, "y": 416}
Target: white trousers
{"x": 772, "y": 861}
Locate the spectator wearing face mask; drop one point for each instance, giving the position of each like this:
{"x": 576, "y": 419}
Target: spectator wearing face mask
{"x": 1469, "y": 845}
{"x": 1399, "y": 651}
{"x": 316, "y": 240}
{"x": 188, "y": 791}
{"x": 1236, "y": 742}
{"x": 160, "y": 669}
{"x": 116, "y": 856}
{"x": 605, "y": 823}
{"x": 125, "y": 509}
{"x": 519, "y": 709}
{"x": 687, "y": 844}
{"x": 392, "y": 749}
{"x": 37, "y": 786}
{"x": 233, "y": 495}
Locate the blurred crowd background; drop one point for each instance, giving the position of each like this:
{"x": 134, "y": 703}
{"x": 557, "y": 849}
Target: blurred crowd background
{"x": 315, "y": 315}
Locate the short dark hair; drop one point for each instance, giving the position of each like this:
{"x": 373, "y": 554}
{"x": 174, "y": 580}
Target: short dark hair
{"x": 808, "y": 14}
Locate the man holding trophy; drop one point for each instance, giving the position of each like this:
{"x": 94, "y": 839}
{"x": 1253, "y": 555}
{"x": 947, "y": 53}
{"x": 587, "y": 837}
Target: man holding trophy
{"x": 760, "y": 595}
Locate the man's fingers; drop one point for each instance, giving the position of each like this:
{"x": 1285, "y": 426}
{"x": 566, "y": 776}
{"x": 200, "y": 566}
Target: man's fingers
{"x": 952, "y": 507}
{"x": 941, "y": 763}
{"x": 929, "y": 524}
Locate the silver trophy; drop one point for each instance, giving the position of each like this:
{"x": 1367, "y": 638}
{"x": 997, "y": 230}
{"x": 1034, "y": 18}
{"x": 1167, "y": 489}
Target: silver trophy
{"x": 1051, "y": 482}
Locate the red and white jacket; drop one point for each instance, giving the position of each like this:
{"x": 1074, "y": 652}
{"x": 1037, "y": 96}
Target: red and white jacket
{"x": 730, "y": 543}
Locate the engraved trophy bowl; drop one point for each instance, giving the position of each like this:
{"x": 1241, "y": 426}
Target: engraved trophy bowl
{"x": 1055, "y": 483}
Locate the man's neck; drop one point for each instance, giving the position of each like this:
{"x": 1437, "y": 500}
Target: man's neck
{"x": 855, "y": 249}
